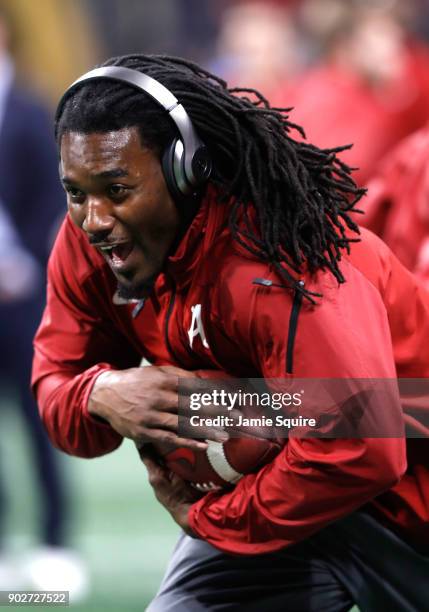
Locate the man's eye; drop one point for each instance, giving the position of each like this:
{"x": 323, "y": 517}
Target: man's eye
{"x": 117, "y": 190}
{"x": 74, "y": 193}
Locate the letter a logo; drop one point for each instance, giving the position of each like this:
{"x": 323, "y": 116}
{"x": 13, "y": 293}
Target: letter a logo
{"x": 196, "y": 328}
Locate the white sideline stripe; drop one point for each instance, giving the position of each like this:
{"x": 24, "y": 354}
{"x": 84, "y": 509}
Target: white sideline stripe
{"x": 220, "y": 464}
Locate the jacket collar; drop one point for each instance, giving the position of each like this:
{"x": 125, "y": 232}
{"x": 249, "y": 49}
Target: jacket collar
{"x": 206, "y": 228}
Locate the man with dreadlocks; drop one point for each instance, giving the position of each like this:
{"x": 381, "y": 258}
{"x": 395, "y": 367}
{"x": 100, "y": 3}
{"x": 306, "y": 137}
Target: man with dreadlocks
{"x": 257, "y": 271}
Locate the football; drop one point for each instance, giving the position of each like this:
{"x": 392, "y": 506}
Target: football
{"x": 222, "y": 464}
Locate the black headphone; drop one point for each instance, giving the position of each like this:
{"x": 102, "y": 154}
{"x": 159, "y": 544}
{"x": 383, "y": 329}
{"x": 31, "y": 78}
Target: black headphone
{"x": 186, "y": 162}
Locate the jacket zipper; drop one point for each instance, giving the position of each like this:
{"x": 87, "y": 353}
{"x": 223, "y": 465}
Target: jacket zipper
{"x": 293, "y": 324}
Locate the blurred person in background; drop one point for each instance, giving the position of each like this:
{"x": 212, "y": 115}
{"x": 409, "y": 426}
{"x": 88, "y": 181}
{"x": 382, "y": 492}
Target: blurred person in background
{"x": 370, "y": 82}
{"x": 397, "y": 203}
{"x": 32, "y": 206}
{"x": 20, "y": 273}
{"x": 258, "y": 45}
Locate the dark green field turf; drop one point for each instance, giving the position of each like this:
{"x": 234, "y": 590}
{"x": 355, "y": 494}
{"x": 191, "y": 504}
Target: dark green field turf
{"x": 124, "y": 535}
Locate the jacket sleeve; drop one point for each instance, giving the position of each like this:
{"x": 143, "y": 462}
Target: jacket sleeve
{"x": 312, "y": 482}
{"x": 73, "y": 345}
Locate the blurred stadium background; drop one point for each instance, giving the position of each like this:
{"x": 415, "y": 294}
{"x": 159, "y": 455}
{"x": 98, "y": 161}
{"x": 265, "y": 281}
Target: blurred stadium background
{"x": 123, "y": 536}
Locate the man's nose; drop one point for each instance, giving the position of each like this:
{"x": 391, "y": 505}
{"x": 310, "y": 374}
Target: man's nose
{"x": 98, "y": 221}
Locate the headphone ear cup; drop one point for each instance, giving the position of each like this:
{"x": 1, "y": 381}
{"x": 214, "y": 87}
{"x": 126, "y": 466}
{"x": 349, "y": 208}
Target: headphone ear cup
{"x": 167, "y": 163}
{"x": 187, "y": 205}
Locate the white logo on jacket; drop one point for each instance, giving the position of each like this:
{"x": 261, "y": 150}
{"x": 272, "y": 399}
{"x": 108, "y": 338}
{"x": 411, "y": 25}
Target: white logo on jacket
{"x": 196, "y": 328}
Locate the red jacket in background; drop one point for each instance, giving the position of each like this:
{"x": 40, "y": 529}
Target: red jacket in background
{"x": 397, "y": 203}
{"x": 376, "y": 325}
{"x": 338, "y": 107}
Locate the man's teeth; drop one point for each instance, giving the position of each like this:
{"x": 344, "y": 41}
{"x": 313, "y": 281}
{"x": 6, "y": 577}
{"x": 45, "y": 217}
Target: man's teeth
{"x": 117, "y": 252}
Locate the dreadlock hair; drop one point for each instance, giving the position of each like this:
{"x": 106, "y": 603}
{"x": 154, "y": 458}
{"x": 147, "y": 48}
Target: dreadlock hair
{"x": 302, "y": 195}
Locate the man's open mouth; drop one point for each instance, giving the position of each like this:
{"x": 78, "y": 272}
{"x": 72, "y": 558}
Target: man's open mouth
{"x": 118, "y": 253}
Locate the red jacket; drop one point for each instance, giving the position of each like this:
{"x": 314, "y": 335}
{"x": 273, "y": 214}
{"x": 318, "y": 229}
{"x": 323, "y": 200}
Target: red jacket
{"x": 397, "y": 204}
{"x": 338, "y": 107}
{"x": 376, "y": 325}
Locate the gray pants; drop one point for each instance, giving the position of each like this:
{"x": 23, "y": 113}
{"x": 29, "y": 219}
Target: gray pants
{"x": 353, "y": 561}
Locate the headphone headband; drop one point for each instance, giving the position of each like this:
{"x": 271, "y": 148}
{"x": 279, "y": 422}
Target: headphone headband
{"x": 196, "y": 162}
{"x": 133, "y": 77}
